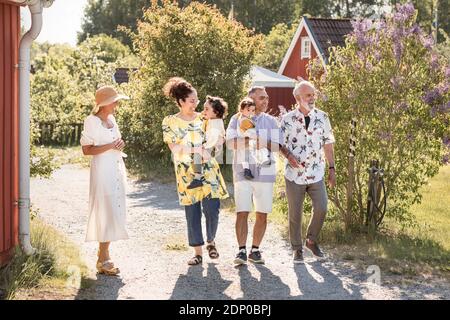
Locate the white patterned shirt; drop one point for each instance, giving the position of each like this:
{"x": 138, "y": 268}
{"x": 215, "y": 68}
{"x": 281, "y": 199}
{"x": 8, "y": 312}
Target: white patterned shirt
{"x": 306, "y": 145}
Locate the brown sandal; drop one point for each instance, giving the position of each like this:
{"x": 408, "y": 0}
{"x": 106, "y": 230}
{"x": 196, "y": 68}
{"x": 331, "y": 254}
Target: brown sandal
{"x": 212, "y": 251}
{"x": 107, "y": 267}
{"x": 195, "y": 260}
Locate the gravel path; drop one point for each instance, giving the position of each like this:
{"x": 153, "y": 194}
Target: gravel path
{"x": 150, "y": 271}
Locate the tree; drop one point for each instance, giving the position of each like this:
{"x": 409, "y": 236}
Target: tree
{"x": 313, "y": 8}
{"x": 106, "y": 48}
{"x": 276, "y": 44}
{"x": 260, "y": 15}
{"x": 42, "y": 162}
{"x": 104, "y": 16}
{"x": 65, "y": 79}
{"x": 390, "y": 79}
{"x": 196, "y": 43}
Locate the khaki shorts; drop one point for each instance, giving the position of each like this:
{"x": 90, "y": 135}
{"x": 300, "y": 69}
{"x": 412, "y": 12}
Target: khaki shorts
{"x": 248, "y": 192}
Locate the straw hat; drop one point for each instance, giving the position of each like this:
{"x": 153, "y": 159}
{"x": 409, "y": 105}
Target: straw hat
{"x": 106, "y": 95}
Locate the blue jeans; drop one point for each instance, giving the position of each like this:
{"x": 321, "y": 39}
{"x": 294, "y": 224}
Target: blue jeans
{"x": 211, "y": 207}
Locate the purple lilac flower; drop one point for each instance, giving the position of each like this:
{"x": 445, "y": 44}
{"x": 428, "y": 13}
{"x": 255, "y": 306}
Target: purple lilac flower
{"x": 434, "y": 62}
{"x": 440, "y": 109}
{"x": 398, "y": 33}
{"x": 398, "y": 50}
{"x": 399, "y": 17}
{"x": 404, "y": 12}
{"x": 446, "y": 158}
{"x": 360, "y": 29}
{"x": 416, "y": 29}
{"x": 447, "y": 72}
{"x": 431, "y": 96}
{"x": 377, "y": 56}
{"x": 427, "y": 42}
{"x": 446, "y": 141}
{"x": 444, "y": 88}
{"x": 361, "y": 57}
{"x": 380, "y": 25}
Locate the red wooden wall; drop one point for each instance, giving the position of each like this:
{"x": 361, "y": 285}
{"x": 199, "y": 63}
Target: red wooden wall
{"x": 9, "y": 105}
{"x": 296, "y": 66}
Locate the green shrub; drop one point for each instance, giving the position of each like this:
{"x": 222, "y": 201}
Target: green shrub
{"x": 390, "y": 79}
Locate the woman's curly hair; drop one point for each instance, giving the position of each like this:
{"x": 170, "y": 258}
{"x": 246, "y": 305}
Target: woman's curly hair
{"x": 178, "y": 89}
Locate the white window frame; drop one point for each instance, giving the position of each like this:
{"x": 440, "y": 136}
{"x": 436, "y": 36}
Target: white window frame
{"x": 305, "y": 50}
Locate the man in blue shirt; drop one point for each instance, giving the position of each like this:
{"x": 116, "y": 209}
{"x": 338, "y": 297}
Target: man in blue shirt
{"x": 259, "y": 190}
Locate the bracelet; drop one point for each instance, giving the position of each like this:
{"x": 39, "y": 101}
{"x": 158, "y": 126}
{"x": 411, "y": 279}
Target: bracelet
{"x": 331, "y": 168}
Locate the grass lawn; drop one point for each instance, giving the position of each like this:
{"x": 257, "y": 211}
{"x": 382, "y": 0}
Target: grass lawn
{"x": 55, "y": 271}
{"x": 69, "y": 155}
{"x": 433, "y": 214}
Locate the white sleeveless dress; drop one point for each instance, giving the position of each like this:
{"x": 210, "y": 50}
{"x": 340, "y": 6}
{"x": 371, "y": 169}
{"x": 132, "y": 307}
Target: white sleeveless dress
{"x": 107, "y": 189}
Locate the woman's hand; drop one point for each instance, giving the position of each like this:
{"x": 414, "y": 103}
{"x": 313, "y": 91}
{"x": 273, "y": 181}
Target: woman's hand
{"x": 206, "y": 155}
{"x": 198, "y": 150}
{"x": 118, "y": 144}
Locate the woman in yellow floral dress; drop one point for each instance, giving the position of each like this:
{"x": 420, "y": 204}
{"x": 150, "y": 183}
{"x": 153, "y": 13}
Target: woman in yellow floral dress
{"x": 184, "y": 133}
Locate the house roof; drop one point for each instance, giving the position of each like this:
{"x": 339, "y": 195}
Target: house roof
{"x": 122, "y": 75}
{"x": 329, "y": 32}
{"x": 324, "y": 33}
{"x": 266, "y": 78}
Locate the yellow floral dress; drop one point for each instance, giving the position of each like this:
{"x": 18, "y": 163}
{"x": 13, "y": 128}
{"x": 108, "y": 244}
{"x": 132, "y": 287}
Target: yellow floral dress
{"x": 192, "y": 134}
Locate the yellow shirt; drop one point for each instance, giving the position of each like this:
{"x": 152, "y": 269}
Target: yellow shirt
{"x": 246, "y": 123}
{"x": 192, "y": 134}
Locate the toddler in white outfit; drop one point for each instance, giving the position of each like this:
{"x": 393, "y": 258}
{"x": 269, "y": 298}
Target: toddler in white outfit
{"x": 214, "y": 110}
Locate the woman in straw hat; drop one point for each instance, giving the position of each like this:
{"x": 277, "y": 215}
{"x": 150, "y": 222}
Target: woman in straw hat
{"x": 101, "y": 139}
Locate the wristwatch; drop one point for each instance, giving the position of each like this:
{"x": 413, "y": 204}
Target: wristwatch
{"x": 331, "y": 168}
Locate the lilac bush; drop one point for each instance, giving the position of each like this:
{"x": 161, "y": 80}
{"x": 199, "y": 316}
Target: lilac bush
{"x": 392, "y": 79}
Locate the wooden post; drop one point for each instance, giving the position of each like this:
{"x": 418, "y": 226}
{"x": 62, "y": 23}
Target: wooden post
{"x": 351, "y": 174}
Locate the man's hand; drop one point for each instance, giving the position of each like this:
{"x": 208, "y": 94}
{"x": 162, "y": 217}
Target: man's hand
{"x": 332, "y": 178}
{"x": 262, "y": 143}
{"x": 293, "y": 161}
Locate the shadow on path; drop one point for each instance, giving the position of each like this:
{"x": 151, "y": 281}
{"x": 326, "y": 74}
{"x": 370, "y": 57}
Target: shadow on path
{"x": 193, "y": 285}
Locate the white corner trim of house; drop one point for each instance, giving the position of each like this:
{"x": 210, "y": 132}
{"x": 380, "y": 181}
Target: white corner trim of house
{"x": 294, "y": 42}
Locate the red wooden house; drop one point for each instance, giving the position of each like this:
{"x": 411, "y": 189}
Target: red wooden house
{"x": 9, "y": 133}
{"x": 313, "y": 38}
{"x": 15, "y": 139}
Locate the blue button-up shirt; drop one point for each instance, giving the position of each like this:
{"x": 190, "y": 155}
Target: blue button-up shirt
{"x": 266, "y": 128}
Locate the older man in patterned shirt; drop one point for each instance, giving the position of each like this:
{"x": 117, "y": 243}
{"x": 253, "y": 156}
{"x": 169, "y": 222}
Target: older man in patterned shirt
{"x": 307, "y": 136}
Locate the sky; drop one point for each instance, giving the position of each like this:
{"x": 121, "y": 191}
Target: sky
{"x": 60, "y": 23}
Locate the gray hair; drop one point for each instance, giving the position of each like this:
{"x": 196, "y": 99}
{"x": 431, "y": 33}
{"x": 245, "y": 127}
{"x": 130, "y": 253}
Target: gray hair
{"x": 301, "y": 84}
{"x": 253, "y": 89}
